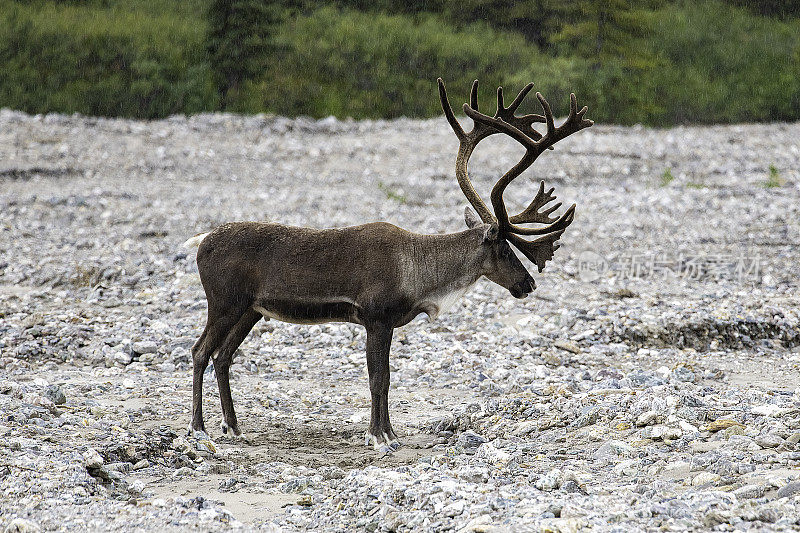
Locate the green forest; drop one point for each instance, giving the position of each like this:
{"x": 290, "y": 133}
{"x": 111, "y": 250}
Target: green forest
{"x": 654, "y": 63}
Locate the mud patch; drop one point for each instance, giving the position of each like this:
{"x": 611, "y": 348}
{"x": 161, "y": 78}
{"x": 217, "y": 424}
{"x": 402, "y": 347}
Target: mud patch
{"x": 311, "y": 445}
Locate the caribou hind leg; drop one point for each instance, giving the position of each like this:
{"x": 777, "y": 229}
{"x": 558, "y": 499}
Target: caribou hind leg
{"x": 222, "y": 365}
{"x": 200, "y": 358}
{"x": 219, "y": 326}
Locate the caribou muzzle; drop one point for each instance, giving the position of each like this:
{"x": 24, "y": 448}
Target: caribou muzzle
{"x": 523, "y": 288}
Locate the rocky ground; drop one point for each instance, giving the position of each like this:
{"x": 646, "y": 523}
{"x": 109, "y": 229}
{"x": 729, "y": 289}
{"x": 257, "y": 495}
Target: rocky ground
{"x": 650, "y": 384}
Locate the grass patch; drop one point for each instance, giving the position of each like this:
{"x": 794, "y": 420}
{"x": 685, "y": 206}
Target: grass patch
{"x": 391, "y": 194}
{"x": 774, "y": 178}
{"x": 667, "y": 177}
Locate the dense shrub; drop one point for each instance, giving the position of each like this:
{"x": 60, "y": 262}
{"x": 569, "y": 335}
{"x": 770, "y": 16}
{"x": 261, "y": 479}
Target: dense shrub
{"x": 372, "y": 65}
{"x": 685, "y": 61}
{"x": 81, "y": 58}
{"x": 240, "y": 42}
{"x": 723, "y": 64}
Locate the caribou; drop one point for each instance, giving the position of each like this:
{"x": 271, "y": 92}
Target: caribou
{"x": 377, "y": 275}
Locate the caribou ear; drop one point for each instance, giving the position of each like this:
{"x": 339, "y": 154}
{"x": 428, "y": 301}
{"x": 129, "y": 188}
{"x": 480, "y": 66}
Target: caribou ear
{"x": 492, "y": 232}
{"x": 471, "y": 218}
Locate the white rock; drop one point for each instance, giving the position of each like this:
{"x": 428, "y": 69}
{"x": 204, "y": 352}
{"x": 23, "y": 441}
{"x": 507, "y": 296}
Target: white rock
{"x": 549, "y": 481}
{"x": 21, "y": 525}
{"x": 92, "y": 458}
{"x": 646, "y": 418}
{"x": 627, "y": 467}
{"x": 770, "y": 410}
{"x": 613, "y": 448}
{"x": 562, "y": 525}
{"x": 123, "y": 358}
{"x": 770, "y": 440}
{"x": 704, "y": 478}
{"x": 492, "y": 455}
{"x": 525, "y": 427}
{"x": 180, "y": 445}
{"x": 749, "y": 491}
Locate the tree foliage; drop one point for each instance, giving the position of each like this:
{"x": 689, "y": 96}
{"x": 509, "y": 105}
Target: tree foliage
{"x": 240, "y": 41}
{"x": 376, "y": 65}
{"x": 81, "y": 58}
{"x": 783, "y": 9}
{"x": 659, "y": 63}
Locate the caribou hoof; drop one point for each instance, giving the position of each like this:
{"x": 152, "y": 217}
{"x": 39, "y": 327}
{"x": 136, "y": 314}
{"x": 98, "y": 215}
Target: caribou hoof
{"x": 199, "y": 434}
{"x": 195, "y": 428}
{"x": 235, "y": 431}
{"x": 383, "y": 444}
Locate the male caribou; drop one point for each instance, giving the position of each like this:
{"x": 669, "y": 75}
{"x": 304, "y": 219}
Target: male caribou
{"x": 377, "y": 275}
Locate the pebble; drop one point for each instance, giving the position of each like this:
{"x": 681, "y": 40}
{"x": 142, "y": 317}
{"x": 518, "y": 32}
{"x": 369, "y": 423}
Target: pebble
{"x": 718, "y": 425}
{"x": 56, "y": 395}
{"x": 92, "y": 458}
{"x": 21, "y": 525}
{"x": 550, "y": 481}
{"x": 183, "y": 472}
{"x": 470, "y": 441}
{"x": 568, "y": 346}
{"x": 683, "y": 374}
{"x": 749, "y": 491}
{"x": 770, "y": 440}
{"x": 613, "y": 448}
{"x": 646, "y": 418}
{"x": 788, "y": 490}
{"x": 144, "y": 347}
{"x": 123, "y": 358}
{"x": 705, "y": 478}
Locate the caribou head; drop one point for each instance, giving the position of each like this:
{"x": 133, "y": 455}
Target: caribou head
{"x": 503, "y": 267}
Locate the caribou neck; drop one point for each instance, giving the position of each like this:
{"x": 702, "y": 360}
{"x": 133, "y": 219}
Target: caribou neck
{"x": 444, "y": 264}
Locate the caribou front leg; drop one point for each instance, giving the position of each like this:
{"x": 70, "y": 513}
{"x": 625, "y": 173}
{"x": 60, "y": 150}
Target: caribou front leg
{"x": 380, "y": 434}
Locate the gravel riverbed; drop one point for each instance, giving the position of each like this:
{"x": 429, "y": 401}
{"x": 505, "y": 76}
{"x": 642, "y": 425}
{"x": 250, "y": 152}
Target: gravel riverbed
{"x": 650, "y": 383}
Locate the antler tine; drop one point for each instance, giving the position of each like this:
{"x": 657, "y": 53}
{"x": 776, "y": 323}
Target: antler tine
{"x": 467, "y": 143}
{"x": 532, "y": 213}
{"x": 560, "y": 223}
{"x": 548, "y": 114}
{"x": 501, "y": 126}
{"x": 500, "y": 106}
{"x": 521, "y": 129}
{"x": 448, "y": 111}
{"x": 538, "y": 251}
{"x": 506, "y": 122}
{"x": 575, "y": 122}
{"x": 520, "y": 97}
{"x": 523, "y": 123}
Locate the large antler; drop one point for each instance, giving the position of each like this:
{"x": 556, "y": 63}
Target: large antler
{"x": 521, "y": 129}
{"x": 467, "y": 143}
